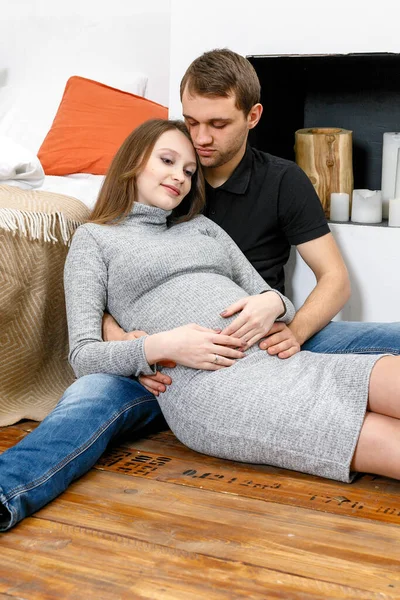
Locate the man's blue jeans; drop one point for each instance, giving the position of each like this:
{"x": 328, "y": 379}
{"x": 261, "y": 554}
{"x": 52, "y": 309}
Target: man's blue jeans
{"x": 98, "y": 408}
{"x": 94, "y": 410}
{"x": 353, "y": 337}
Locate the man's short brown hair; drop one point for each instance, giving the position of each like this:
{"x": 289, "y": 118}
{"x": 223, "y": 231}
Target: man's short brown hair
{"x": 222, "y": 72}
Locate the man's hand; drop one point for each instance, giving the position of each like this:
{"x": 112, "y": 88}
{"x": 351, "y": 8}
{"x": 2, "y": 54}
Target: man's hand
{"x": 112, "y": 332}
{"x": 156, "y": 384}
{"x": 280, "y": 341}
{"x": 257, "y": 315}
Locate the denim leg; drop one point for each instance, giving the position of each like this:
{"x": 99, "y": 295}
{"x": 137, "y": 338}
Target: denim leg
{"x": 68, "y": 442}
{"x": 353, "y": 337}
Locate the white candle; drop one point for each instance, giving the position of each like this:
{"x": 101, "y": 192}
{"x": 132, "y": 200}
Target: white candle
{"x": 340, "y": 206}
{"x": 366, "y": 206}
{"x": 391, "y": 145}
{"x": 394, "y": 212}
{"x": 397, "y": 185}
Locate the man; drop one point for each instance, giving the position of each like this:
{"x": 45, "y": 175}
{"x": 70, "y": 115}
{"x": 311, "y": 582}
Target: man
{"x": 266, "y": 204}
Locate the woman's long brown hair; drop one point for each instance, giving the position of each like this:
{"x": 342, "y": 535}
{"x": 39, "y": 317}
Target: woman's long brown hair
{"x": 119, "y": 190}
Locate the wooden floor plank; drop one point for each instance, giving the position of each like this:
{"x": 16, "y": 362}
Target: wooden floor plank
{"x": 9, "y": 436}
{"x": 60, "y": 561}
{"x": 157, "y": 520}
{"x": 335, "y": 549}
{"x": 162, "y": 457}
{"x": 254, "y": 481}
{"x": 166, "y": 442}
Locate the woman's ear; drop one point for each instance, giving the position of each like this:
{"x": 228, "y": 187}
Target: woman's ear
{"x": 254, "y": 115}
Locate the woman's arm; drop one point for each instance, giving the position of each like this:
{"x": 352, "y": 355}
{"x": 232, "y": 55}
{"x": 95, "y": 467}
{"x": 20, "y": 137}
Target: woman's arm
{"x": 85, "y": 282}
{"x": 85, "y": 279}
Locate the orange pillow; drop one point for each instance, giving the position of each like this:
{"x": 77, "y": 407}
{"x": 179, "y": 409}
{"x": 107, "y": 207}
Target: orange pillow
{"x": 91, "y": 123}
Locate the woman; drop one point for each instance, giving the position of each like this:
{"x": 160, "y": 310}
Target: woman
{"x": 229, "y": 398}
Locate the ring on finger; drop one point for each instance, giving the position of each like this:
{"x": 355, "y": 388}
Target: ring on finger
{"x": 216, "y": 359}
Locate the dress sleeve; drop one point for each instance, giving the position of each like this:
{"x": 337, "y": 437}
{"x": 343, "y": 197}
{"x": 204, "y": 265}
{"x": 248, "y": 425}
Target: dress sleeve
{"x": 243, "y": 272}
{"x": 300, "y": 212}
{"x": 85, "y": 283}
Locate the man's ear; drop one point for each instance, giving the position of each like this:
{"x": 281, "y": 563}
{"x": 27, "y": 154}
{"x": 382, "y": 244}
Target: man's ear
{"x": 254, "y": 115}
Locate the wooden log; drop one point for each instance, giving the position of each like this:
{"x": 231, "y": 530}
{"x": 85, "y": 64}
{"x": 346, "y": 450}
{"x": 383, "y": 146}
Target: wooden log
{"x": 326, "y": 155}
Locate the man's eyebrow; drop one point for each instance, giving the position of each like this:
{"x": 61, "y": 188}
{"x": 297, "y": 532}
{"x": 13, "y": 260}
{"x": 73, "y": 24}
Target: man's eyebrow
{"x": 223, "y": 119}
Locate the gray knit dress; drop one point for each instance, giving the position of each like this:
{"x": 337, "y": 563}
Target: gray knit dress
{"x": 303, "y": 413}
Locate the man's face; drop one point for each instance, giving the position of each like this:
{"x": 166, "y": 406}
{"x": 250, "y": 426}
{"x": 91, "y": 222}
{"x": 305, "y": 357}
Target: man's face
{"x": 218, "y": 129}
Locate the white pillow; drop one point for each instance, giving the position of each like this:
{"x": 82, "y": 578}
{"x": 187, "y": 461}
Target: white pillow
{"x": 27, "y": 113}
{"x": 19, "y": 166}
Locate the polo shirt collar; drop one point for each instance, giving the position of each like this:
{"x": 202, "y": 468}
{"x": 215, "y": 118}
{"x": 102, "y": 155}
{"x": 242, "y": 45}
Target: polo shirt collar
{"x": 239, "y": 181}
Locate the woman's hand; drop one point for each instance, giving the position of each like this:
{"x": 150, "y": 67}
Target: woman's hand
{"x": 195, "y": 347}
{"x": 257, "y": 315}
{"x": 280, "y": 341}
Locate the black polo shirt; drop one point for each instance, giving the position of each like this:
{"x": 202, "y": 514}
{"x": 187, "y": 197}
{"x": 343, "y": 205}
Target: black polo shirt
{"x": 267, "y": 205}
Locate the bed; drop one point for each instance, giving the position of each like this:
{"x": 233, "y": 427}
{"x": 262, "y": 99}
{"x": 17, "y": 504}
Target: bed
{"x": 52, "y": 165}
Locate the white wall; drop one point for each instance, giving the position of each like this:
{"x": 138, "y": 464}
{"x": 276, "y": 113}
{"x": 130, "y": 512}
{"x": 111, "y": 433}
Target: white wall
{"x": 270, "y": 27}
{"x": 121, "y": 43}
{"x": 308, "y": 27}
{"x": 46, "y": 40}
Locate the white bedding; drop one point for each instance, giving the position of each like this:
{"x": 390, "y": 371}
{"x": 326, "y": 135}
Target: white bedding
{"x": 21, "y": 168}
{"x": 83, "y": 186}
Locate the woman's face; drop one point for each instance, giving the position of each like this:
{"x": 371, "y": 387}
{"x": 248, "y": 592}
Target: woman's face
{"x": 166, "y": 178}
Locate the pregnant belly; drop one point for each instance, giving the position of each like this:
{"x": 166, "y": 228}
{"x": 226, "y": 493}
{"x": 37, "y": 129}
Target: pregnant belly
{"x": 190, "y": 298}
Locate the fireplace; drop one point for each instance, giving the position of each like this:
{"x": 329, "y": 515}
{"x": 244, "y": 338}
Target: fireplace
{"x": 360, "y": 92}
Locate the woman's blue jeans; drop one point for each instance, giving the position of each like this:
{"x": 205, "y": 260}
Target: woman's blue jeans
{"x": 94, "y": 410}
{"x": 97, "y": 408}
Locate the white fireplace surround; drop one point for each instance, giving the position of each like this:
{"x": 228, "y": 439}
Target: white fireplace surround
{"x": 372, "y": 253}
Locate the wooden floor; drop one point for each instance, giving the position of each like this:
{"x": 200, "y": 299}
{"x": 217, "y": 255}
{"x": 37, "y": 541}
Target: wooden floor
{"x": 156, "y": 520}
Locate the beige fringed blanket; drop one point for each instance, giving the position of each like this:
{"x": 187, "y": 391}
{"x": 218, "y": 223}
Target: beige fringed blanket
{"x": 35, "y": 231}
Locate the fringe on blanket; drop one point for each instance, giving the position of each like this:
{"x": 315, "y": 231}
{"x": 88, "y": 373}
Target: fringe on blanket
{"x": 38, "y": 225}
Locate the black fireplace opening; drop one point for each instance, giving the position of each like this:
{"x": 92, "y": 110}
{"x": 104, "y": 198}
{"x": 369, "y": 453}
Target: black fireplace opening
{"x": 360, "y": 92}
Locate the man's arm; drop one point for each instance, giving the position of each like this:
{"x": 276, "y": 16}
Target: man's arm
{"x": 303, "y": 222}
{"x": 332, "y": 289}
{"x": 112, "y": 332}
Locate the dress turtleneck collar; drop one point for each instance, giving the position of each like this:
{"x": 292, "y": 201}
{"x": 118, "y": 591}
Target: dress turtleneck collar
{"x": 148, "y": 215}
